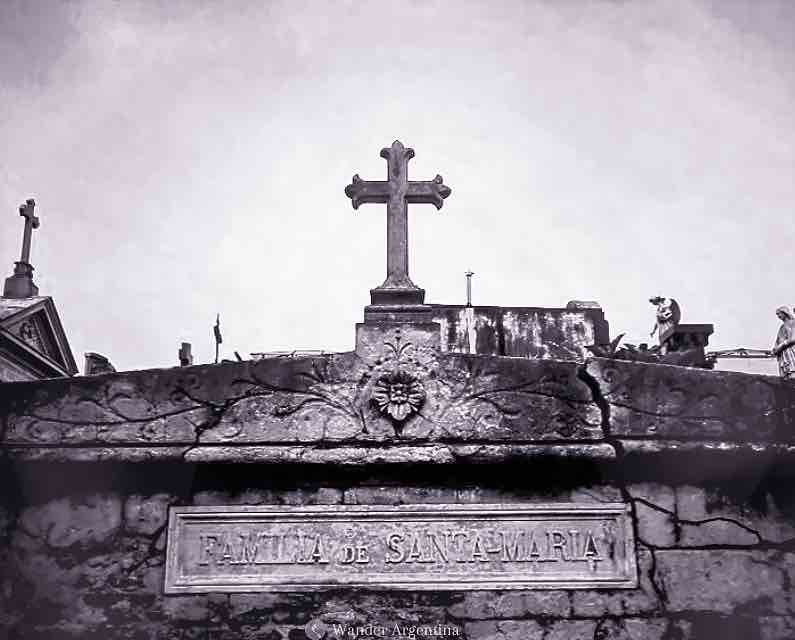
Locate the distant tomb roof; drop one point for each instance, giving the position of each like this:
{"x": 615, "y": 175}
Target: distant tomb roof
{"x": 33, "y": 344}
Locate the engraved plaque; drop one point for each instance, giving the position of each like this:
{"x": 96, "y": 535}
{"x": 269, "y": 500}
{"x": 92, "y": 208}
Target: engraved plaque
{"x": 439, "y": 546}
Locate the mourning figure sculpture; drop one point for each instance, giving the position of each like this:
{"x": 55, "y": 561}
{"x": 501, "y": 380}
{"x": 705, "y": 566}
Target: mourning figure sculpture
{"x": 784, "y": 349}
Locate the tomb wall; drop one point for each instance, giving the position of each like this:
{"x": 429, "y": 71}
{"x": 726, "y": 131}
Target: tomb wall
{"x": 703, "y": 459}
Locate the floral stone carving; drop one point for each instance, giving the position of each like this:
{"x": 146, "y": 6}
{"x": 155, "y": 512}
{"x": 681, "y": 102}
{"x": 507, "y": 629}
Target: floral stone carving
{"x": 399, "y": 394}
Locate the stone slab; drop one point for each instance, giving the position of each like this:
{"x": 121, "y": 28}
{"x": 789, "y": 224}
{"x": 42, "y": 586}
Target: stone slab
{"x": 340, "y": 398}
{"x": 670, "y": 402}
{"x": 414, "y": 547}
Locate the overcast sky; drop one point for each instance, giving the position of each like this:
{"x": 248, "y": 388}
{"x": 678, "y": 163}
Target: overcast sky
{"x": 189, "y": 158}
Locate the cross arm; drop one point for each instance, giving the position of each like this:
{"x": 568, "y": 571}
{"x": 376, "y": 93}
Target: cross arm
{"x": 26, "y": 211}
{"x": 363, "y": 191}
{"x": 428, "y": 191}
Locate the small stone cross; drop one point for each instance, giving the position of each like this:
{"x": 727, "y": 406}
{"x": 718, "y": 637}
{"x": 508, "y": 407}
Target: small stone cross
{"x": 397, "y": 192}
{"x": 31, "y": 222}
{"x": 20, "y": 284}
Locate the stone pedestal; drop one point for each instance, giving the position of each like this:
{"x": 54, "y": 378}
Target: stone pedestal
{"x": 397, "y": 296}
{"x": 692, "y": 338}
{"x": 402, "y": 313}
{"x": 20, "y": 284}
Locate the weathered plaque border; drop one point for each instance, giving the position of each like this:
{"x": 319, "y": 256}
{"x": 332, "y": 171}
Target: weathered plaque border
{"x": 179, "y": 517}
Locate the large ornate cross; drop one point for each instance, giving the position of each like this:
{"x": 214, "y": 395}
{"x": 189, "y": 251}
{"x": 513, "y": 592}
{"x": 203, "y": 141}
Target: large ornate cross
{"x": 397, "y": 192}
{"x": 31, "y": 222}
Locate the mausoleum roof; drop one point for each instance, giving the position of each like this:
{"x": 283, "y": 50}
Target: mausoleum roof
{"x": 11, "y": 306}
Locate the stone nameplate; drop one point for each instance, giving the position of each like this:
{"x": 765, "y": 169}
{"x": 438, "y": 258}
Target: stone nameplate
{"x": 439, "y": 546}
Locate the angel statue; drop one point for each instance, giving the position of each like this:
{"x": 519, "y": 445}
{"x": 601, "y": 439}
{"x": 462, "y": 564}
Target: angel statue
{"x": 784, "y": 349}
{"x": 668, "y": 314}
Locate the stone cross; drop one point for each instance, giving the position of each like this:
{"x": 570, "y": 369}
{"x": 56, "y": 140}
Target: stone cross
{"x": 397, "y": 192}
{"x": 20, "y": 284}
{"x": 31, "y": 222}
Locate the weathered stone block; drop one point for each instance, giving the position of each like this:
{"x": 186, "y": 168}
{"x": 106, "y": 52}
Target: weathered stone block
{"x": 92, "y": 519}
{"x": 633, "y": 629}
{"x": 38, "y": 574}
{"x": 655, "y": 513}
{"x": 398, "y": 495}
{"x": 777, "y": 627}
{"x": 297, "y": 496}
{"x": 665, "y": 401}
{"x": 713, "y": 516}
{"x": 321, "y": 495}
{"x": 143, "y": 515}
{"x": 360, "y": 608}
{"x": 643, "y": 600}
{"x": 570, "y": 630}
{"x": 481, "y": 605}
{"x": 255, "y": 605}
{"x": 521, "y": 400}
{"x": 596, "y": 493}
{"x": 587, "y": 494}
{"x": 725, "y": 581}
{"x": 192, "y": 609}
{"x": 534, "y": 332}
{"x": 507, "y": 630}
{"x": 151, "y": 579}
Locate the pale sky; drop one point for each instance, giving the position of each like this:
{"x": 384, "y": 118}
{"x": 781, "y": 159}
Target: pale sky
{"x": 189, "y": 158}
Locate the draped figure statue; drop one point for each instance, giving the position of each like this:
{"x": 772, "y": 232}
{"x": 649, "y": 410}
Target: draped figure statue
{"x": 784, "y": 349}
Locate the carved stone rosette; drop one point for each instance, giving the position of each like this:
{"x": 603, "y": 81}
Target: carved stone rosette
{"x": 398, "y": 394}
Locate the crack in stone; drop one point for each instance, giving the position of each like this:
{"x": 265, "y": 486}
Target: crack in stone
{"x": 597, "y": 396}
{"x": 151, "y": 552}
{"x": 217, "y": 412}
{"x": 676, "y": 519}
{"x": 599, "y": 631}
{"x": 762, "y": 544}
{"x": 601, "y": 401}
{"x": 659, "y": 587}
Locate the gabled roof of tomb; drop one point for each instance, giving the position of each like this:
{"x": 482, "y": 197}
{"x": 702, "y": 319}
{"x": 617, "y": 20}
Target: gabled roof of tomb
{"x": 32, "y": 328}
{"x": 12, "y": 306}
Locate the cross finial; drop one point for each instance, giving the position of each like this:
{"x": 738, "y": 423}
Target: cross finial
{"x": 20, "y": 285}
{"x": 31, "y": 222}
{"x": 397, "y": 191}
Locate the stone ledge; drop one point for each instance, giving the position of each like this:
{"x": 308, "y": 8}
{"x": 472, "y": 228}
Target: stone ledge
{"x": 307, "y": 454}
{"x": 357, "y": 453}
{"x": 469, "y": 400}
{"x": 655, "y": 446}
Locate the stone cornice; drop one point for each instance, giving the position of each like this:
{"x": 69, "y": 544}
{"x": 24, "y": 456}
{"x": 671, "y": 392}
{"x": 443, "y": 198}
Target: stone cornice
{"x": 320, "y": 410}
